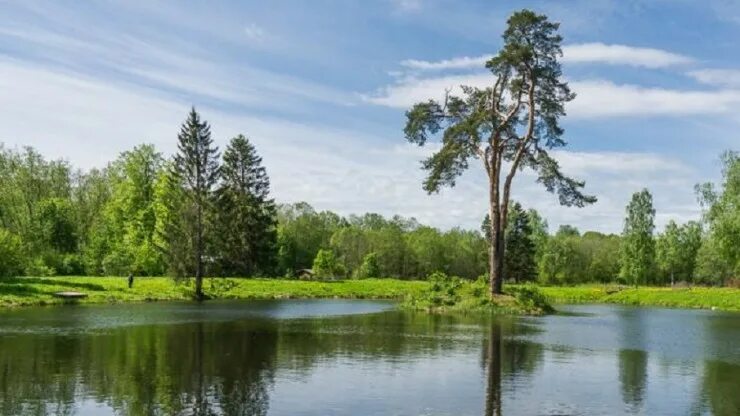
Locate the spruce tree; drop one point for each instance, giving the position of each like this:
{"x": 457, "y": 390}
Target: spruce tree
{"x": 247, "y": 217}
{"x": 519, "y": 263}
{"x": 197, "y": 170}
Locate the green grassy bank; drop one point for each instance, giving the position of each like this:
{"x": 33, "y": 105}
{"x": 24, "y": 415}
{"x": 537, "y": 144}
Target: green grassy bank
{"x": 696, "y": 297}
{"x": 26, "y": 291}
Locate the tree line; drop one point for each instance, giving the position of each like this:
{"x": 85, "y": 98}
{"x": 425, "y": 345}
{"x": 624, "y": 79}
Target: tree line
{"x": 204, "y": 213}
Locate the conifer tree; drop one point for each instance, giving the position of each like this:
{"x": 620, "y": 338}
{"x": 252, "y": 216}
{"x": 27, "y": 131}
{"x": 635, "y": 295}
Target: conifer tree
{"x": 196, "y": 169}
{"x": 247, "y": 217}
{"x": 519, "y": 263}
{"x": 509, "y": 126}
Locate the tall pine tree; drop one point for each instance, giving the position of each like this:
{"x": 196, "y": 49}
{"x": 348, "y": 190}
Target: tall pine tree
{"x": 196, "y": 169}
{"x": 247, "y": 217}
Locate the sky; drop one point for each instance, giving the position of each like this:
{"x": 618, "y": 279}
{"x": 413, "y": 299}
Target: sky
{"x": 321, "y": 88}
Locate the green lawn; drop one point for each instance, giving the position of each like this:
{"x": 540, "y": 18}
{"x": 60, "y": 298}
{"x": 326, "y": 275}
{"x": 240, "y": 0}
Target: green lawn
{"x": 24, "y": 291}
{"x": 39, "y": 291}
{"x": 696, "y": 297}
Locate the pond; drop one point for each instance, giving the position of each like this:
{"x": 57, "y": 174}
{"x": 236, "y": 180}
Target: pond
{"x": 334, "y": 357}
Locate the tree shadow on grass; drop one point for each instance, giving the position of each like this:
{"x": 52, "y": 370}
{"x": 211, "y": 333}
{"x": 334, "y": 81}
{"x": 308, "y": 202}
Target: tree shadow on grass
{"x": 54, "y": 282}
{"x": 17, "y": 289}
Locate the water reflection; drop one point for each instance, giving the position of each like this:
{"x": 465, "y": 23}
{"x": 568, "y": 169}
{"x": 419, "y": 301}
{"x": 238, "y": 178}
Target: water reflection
{"x": 199, "y": 361}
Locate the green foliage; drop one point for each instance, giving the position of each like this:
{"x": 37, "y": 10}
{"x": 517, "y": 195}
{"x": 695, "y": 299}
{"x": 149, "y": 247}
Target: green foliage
{"x": 719, "y": 256}
{"x": 11, "y": 254}
{"x": 452, "y": 294}
{"x": 676, "y": 251}
{"x": 530, "y": 298}
{"x": 519, "y": 262}
{"x": 443, "y": 290}
{"x": 196, "y": 171}
{"x": 246, "y": 217}
{"x": 326, "y": 265}
{"x": 637, "y": 254}
{"x": 514, "y": 119}
{"x": 301, "y": 233}
{"x": 369, "y": 267}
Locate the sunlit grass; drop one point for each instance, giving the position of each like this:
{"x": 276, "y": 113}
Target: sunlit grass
{"x": 684, "y": 297}
{"x": 24, "y": 291}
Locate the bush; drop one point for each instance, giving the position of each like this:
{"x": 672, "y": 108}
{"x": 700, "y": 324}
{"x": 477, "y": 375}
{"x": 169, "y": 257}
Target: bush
{"x": 530, "y": 298}
{"x": 38, "y": 268}
{"x": 11, "y": 254}
{"x": 71, "y": 265}
{"x": 326, "y": 265}
{"x": 369, "y": 267}
{"x": 443, "y": 290}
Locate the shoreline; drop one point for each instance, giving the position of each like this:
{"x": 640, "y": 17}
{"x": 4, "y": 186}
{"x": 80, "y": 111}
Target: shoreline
{"x": 38, "y": 291}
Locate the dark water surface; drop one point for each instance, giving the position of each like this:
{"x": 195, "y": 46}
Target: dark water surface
{"x": 365, "y": 358}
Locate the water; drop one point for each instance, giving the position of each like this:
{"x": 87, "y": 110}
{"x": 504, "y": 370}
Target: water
{"x": 335, "y": 357}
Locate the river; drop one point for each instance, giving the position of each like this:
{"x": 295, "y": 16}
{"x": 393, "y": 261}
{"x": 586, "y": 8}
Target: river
{"x": 338, "y": 357}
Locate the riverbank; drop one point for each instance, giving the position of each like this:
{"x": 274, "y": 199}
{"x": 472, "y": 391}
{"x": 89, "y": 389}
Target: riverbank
{"x": 28, "y": 291}
{"x": 727, "y": 299}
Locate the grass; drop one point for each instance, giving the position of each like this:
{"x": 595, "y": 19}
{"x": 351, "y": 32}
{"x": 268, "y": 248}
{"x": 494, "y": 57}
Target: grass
{"x": 695, "y": 297}
{"x": 468, "y": 296}
{"x": 27, "y": 291}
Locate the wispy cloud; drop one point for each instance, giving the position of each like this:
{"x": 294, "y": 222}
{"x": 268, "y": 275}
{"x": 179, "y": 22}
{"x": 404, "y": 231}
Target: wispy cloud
{"x": 622, "y": 55}
{"x": 607, "y": 99}
{"x": 594, "y": 53}
{"x": 88, "y": 121}
{"x": 407, "y": 5}
{"x": 718, "y": 77}
{"x": 595, "y": 98}
{"x": 255, "y": 32}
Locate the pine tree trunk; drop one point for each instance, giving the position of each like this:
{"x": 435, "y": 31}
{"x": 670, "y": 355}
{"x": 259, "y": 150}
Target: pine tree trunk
{"x": 496, "y": 251}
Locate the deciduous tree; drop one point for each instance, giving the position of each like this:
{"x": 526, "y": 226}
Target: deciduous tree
{"x": 637, "y": 251}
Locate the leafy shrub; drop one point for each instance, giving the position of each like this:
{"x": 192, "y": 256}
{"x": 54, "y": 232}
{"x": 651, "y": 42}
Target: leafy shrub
{"x": 369, "y": 267}
{"x": 38, "y": 268}
{"x": 71, "y": 265}
{"x": 326, "y": 265}
{"x": 443, "y": 290}
{"x": 11, "y": 256}
{"x": 530, "y": 298}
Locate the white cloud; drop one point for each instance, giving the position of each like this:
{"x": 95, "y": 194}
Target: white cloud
{"x": 408, "y": 91}
{"x": 622, "y": 55}
{"x": 598, "y": 99}
{"x": 454, "y": 63}
{"x": 718, "y": 77}
{"x": 595, "y": 98}
{"x": 596, "y": 53}
{"x": 89, "y": 121}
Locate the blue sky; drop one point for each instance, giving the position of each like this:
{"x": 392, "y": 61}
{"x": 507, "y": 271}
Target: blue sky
{"x": 321, "y": 88}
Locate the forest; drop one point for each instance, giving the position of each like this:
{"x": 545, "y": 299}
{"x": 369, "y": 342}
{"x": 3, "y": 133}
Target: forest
{"x": 146, "y": 214}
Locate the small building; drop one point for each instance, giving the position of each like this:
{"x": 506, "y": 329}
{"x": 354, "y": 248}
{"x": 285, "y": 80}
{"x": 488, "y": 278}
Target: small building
{"x": 304, "y": 274}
